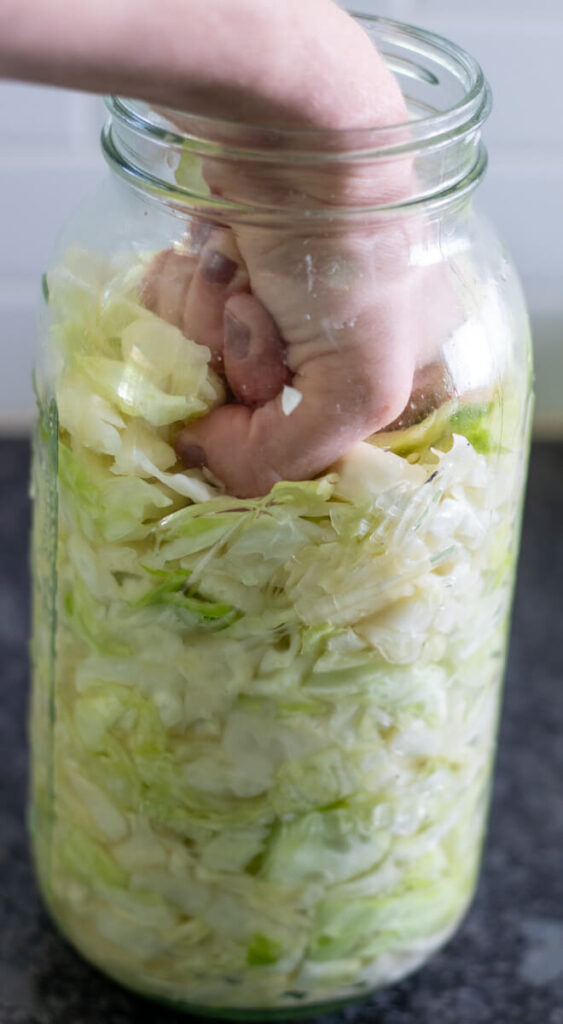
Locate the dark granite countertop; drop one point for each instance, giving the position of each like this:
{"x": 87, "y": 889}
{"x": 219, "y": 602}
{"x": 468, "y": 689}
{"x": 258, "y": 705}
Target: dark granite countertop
{"x": 505, "y": 966}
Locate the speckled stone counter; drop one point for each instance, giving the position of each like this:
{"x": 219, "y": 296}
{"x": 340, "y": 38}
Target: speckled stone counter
{"x": 505, "y": 966}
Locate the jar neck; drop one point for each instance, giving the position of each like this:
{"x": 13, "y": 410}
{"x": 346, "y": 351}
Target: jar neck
{"x": 434, "y": 160}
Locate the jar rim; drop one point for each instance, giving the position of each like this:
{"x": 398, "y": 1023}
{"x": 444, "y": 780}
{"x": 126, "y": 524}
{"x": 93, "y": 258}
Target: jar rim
{"x": 447, "y": 97}
{"x": 218, "y": 136}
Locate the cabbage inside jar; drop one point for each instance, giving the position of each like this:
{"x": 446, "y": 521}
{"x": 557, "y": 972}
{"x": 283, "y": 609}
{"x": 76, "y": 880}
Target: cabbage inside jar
{"x": 263, "y": 729}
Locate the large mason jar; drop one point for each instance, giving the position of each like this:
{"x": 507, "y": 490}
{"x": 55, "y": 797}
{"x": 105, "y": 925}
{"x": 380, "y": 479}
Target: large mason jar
{"x": 264, "y": 718}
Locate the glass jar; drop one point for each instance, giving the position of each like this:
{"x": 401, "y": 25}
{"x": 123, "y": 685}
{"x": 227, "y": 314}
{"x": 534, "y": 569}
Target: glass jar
{"x": 264, "y": 723}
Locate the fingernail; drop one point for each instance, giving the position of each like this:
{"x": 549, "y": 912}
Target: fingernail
{"x": 192, "y": 455}
{"x": 237, "y": 337}
{"x": 216, "y": 268}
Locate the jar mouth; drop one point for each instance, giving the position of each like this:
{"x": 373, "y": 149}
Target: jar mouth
{"x": 447, "y": 97}
{"x": 429, "y": 61}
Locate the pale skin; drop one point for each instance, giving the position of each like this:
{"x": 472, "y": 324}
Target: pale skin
{"x": 269, "y": 305}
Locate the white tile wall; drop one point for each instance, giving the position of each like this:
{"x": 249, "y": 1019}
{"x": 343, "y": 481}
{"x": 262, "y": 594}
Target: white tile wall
{"x": 519, "y": 45}
{"x": 430, "y": 13}
{"x": 44, "y": 193}
{"x": 525, "y": 201}
{"x": 49, "y": 156}
{"x": 35, "y": 117}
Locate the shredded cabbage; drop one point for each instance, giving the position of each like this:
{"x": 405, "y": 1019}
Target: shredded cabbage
{"x": 263, "y": 729}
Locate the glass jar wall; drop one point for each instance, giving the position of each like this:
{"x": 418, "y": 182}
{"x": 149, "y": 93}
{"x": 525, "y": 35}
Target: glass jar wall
{"x": 264, "y": 716}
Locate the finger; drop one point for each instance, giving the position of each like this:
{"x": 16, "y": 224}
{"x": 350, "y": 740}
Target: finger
{"x": 254, "y": 354}
{"x": 340, "y": 402}
{"x": 165, "y": 286}
{"x": 219, "y": 274}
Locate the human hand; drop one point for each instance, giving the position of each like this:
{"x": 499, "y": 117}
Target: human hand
{"x": 334, "y": 312}
{"x": 339, "y": 311}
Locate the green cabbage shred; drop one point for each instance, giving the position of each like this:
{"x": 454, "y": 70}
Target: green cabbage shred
{"x": 263, "y": 729}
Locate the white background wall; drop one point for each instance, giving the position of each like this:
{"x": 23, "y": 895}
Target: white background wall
{"x": 520, "y": 47}
{"x": 49, "y": 156}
